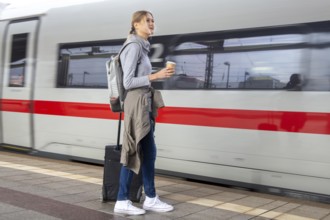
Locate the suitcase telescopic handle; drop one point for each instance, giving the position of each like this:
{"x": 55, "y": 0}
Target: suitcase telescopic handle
{"x": 119, "y": 130}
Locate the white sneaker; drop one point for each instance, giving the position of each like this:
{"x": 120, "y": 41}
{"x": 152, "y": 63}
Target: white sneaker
{"x": 126, "y": 207}
{"x": 154, "y": 204}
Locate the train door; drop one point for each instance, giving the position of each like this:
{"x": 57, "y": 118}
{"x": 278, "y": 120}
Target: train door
{"x": 17, "y": 82}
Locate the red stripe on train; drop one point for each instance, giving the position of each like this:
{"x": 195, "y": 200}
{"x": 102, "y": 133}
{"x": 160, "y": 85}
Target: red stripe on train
{"x": 13, "y": 105}
{"x": 76, "y": 109}
{"x": 302, "y": 122}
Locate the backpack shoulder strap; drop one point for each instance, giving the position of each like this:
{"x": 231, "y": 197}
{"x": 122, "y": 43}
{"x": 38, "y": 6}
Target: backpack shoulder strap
{"x": 125, "y": 45}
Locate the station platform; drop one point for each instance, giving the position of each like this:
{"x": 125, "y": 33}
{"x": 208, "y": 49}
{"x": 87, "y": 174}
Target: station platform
{"x": 47, "y": 189}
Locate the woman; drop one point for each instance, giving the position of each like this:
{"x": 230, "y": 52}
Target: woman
{"x": 140, "y": 107}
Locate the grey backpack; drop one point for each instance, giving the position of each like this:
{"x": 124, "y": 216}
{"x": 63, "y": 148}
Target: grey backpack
{"x": 117, "y": 92}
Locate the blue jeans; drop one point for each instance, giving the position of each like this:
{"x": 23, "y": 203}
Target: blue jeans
{"x": 148, "y": 149}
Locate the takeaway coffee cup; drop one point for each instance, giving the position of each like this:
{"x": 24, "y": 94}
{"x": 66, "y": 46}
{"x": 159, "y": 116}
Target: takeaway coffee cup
{"x": 170, "y": 64}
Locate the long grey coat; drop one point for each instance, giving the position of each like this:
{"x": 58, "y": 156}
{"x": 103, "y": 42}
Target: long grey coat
{"x": 137, "y": 124}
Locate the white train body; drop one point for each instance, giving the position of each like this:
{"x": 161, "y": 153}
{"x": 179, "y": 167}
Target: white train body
{"x": 229, "y": 129}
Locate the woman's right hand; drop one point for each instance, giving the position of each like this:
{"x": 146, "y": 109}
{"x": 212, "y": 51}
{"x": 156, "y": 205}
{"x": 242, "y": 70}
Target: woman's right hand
{"x": 162, "y": 74}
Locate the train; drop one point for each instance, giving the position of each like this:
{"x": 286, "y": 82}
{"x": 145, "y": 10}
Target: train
{"x": 247, "y": 106}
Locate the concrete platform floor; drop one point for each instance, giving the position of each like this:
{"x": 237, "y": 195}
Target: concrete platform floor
{"x": 40, "y": 188}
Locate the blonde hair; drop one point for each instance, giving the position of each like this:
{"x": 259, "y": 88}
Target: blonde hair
{"x": 137, "y": 17}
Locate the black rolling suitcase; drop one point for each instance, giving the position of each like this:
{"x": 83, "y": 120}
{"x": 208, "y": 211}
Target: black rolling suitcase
{"x": 111, "y": 173}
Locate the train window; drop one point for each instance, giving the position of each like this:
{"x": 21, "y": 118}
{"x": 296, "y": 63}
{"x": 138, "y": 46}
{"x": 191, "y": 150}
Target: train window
{"x": 287, "y": 58}
{"x": 215, "y": 61}
{"x": 190, "y": 68}
{"x": 17, "y": 60}
{"x": 264, "y": 69}
{"x": 83, "y": 66}
{"x": 190, "y": 72}
{"x": 318, "y": 77}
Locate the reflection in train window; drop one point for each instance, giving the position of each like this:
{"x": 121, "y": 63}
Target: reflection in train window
{"x": 265, "y": 62}
{"x": 257, "y": 69}
{"x": 17, "y": 60}
{"x": 84, "y": 66}
{"x": 264, "y": 40}
{"x": 190, "y": 72}
{"x": 268, "y": 59}
{"x": 258, "y": 62}
{"x": 319, "y": 71}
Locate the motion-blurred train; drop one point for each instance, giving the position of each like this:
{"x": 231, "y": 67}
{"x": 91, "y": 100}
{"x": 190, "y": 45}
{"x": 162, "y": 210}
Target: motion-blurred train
{"x": 248, "y": 106}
